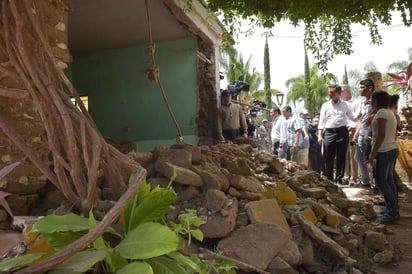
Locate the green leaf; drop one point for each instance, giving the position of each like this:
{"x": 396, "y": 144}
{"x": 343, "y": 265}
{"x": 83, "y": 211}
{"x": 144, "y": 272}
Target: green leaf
{"x": 164, "y": 265}
{"x": 189, "y": 262}
{"x": 60, "y": 223}
{"x": 60, "y": 240}
{"x": 80, "y": 262}
{"x": 19, "y": 261}
{"x": 197, "y": 234}
{"x": 114, "y": 260}
{"x": 99, "y": 242}
{"x": 128, "y": 212}
{"x": 136, "y": 268}
{"x": 147, "y": 241}
{"x": 153, "y": 207}
{"x": 57, "y": 223}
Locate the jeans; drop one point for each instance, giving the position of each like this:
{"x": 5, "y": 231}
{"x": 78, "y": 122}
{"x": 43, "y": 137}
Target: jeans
{"x": 284, "y": 155}
{"x": 361, "y": 155}
{"x": 385, "y": 162}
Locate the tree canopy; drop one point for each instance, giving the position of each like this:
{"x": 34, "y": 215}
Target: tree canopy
{"x": 327, "y": 23}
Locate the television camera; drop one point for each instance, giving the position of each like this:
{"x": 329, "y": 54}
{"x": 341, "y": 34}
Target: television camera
{"x": 257, "y": 106}
{"x": 236, "y": 87}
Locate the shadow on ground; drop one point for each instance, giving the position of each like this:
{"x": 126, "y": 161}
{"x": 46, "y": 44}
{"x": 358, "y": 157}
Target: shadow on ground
{"x": 402, "y": 229}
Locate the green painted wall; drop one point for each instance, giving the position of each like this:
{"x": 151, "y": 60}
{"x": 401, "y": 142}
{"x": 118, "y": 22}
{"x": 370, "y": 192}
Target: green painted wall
{"x": 125, "y": 105}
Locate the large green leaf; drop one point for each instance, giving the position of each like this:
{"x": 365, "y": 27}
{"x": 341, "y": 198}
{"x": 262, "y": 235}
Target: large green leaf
{"x": 164, "y": 265}
{"x": 60, "y": 223}
{"x": 186, "y": 261}
{"x": 19, "y": 261}
{"x": 60, "y": 240}
{"x": 57, "y": 223}
{"x": 147, "y": 241}
{"x": 153, "y": 207}
{"x": 136, "y": 268}
{"x": 80, "y": 262}
{"x": 128, "y": 212}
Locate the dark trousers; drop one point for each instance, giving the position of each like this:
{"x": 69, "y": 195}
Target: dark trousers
{"x": 230, "y": 134}
{"x": 336, "y": 146}
{"x": 276, "y": 148}
{"x": 316, "y": 160}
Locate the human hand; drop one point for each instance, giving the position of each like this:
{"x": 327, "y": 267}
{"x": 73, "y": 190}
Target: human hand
{"x": 244, "y": 134}
{"x": 221, "y": 138}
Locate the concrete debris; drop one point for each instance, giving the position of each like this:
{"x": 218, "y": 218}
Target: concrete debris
{"x": 271, "y": 214}
{"x": 290, "y": 219}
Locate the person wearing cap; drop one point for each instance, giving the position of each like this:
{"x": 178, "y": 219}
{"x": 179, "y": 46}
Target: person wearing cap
{"x": 231, "y": 120}
{"x": 263, "y": 134}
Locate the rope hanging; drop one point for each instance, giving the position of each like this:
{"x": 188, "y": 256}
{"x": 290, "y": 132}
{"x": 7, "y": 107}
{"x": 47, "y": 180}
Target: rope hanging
{"x": 153, "y": 74}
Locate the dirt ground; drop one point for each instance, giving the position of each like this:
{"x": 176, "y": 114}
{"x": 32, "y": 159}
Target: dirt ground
{"x": 402, "y": 229}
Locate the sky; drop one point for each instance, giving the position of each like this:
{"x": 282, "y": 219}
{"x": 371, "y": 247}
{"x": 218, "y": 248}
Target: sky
{"x": 287, "y": 54}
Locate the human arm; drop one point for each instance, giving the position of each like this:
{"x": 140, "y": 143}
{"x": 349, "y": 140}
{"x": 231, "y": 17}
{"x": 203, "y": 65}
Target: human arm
{"x": 243, "y": 124}
{"x": 320, "y": 136}
{"x": 381, "y": 129}
{"x": 219, "y": 126}
{"x": 296, "y": 141}
{"x": 357, "y": 131}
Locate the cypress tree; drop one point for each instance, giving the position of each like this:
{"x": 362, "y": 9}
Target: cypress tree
{"x": 266, "y": 64}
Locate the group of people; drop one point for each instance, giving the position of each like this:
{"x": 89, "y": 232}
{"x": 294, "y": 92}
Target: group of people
{"x": 343, "y": 142}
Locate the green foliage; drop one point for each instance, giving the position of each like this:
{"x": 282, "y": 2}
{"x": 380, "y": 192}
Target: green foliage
{"x": 80, "y": 262}
{"x": 186, "y": 222}
{"x": 317, "y": 93}
{"x": 327, "y": 23}
{"x": 266, "y": 64}
{"x": 148, "y": 240}
{"x": 345, "y": 78}
{"x": 20, "y": 261}
{"x": 148, "y": 245}
{"x": 148, "y": 206}
{"x": 234, "y": 65}
{"x": 136, "y": 267}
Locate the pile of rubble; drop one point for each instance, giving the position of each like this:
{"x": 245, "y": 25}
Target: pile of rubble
{"x": 272, "y": 216}
{"x": 265, "y": 214}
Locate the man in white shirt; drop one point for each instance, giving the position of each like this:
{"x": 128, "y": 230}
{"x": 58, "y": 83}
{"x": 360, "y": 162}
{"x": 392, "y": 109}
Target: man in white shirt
{"x": 275, "y": 131}
{"x": 333, "y": 132}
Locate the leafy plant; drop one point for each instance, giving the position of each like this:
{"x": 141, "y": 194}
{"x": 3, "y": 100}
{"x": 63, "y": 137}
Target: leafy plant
{"x": 147, "y": 244}
{"x": 184, "y": 227}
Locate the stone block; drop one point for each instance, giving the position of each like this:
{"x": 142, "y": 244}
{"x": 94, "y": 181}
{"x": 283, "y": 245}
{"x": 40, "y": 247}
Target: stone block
{"x": 267, "y": 211}
{"x": 256, "y": 244}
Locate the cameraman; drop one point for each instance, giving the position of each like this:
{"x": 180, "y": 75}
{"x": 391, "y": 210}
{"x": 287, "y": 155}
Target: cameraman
{"x": 231, "y": 121}
{"x": 251, "y": 125}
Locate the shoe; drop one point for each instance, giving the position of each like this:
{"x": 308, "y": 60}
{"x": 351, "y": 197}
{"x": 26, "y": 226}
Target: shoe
{"x": 383, "y": 211}
{"x": 372, "y": 191}
{"x": 365, "y": 185}
{"x": 387, "y": 218}
{"x": 342, "y": 182}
